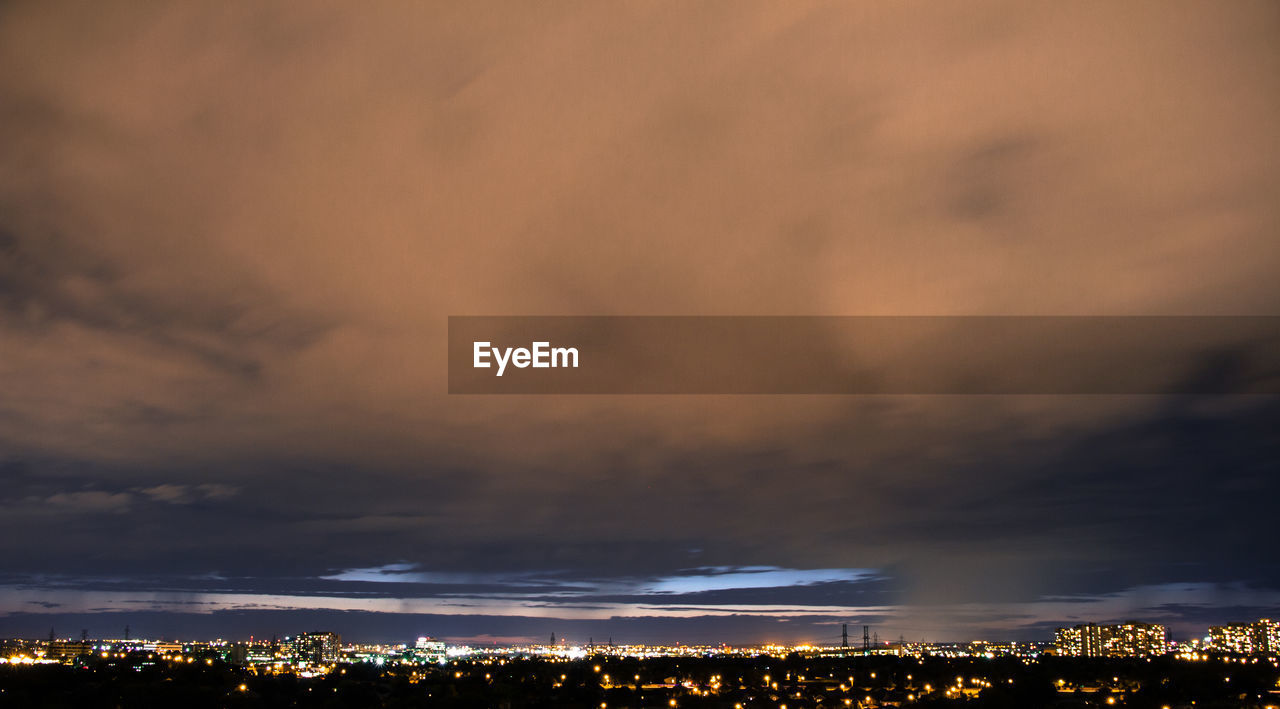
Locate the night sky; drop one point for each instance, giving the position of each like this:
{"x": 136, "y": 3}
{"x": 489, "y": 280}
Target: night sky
{"x": 231, "y": 236}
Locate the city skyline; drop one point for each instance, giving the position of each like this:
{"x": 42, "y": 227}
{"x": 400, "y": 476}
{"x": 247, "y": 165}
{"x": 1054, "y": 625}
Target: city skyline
{"x": 232, "y": 238}
{"x": 1090, "y": 639}
{"x": 1098, "y": 666}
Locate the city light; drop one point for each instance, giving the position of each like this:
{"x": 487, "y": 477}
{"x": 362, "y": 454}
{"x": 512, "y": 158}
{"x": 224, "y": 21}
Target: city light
{"x": 813, "y": 672}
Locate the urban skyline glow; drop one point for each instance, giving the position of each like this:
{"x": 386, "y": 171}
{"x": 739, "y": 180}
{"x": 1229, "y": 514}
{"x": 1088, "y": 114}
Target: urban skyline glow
{"x": 980, "y": 299}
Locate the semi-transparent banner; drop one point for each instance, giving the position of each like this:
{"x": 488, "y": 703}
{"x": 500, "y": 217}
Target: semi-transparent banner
{"x": 863, "y": 355}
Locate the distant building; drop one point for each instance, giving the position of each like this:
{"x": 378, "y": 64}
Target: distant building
{"x": 67, "y": 650}
{"x": 428, "y": 650}
{"x": 1131, "y": 639}
{"x": 1262, "y": 636}
{"x": 260, "y": 653}
{"x": 317, "y": 648}
{"x": 1270, "y": 635}
{"x": 1137, "y": 640}
{"x": 1067, "y": 641}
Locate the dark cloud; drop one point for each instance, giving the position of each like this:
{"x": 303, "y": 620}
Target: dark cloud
{"x": 986, "y": 182}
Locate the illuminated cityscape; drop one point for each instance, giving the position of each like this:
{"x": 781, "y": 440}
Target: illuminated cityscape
{"x": 431, "y": 672}
{"x": 1118, "y": 640}
{"x": 1262, "y": 636}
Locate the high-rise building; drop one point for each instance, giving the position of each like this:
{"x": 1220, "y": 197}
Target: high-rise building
{"x": 317, "y": 648}
{"x": 1270, "y": 631}
{"x": 1067, "y": 640}
{"x": 1093, "y": 640}
{"x": 1131, "y": 639}
{"x": 1246, "y": 638}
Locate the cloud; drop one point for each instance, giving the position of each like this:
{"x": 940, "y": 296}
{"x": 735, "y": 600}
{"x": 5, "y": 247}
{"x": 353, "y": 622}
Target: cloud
{"x": 721, "y": 579}
{"x": 240, "y": 242}
{"x": 92, "y": 500}
{"x": 186, "y": 494}
{"x": 1184, "y": 607}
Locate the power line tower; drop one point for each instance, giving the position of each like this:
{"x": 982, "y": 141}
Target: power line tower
{"x": 844, "y": 636}
{"x": 866, "y": 638}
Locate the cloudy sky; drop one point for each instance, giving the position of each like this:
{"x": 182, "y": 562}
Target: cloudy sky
{"x": 231, "y": 236}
